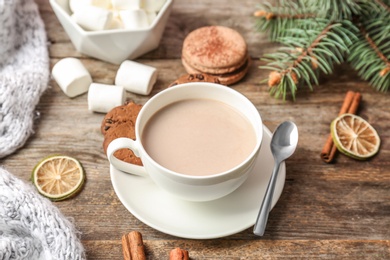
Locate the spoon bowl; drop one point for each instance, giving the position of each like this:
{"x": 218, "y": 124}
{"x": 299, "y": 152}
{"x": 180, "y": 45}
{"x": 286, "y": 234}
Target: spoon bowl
{"x": 284, "y": 140}
{"x": 283, "y": 144}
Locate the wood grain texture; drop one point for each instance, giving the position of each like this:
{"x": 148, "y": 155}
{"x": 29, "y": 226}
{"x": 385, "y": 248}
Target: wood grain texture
{"x": 329, "y": 211}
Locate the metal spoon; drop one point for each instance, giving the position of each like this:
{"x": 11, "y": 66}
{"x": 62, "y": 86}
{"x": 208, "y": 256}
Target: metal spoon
{"x": 283, "y": 144}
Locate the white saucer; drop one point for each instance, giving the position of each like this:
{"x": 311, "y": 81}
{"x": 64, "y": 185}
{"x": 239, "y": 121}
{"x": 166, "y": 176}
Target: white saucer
{"x": 200, "y": 220}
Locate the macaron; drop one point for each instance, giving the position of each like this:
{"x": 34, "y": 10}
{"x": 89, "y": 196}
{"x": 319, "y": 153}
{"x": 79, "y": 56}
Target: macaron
{"x": 226, "y": 78}
{"x": 216, "y": 50}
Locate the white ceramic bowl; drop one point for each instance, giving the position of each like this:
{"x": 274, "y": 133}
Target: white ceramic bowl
{"x": 113, "y": 46}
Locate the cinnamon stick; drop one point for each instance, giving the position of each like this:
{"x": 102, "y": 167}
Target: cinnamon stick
{"x": 133, "y": 246}
{"x": 350, "y": 105}
{"x": 178, "y": 254}
{"x": 355, "y": 103}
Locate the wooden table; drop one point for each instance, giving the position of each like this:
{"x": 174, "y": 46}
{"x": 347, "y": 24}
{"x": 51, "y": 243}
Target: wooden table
{"x": 330, "y": 211}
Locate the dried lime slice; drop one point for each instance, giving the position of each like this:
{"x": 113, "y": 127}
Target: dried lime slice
{"x": 354, "y": 137}
{"x": 58, "y": 177}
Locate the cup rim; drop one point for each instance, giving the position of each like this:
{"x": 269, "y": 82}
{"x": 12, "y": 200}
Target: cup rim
{"x": 196, "y": 84}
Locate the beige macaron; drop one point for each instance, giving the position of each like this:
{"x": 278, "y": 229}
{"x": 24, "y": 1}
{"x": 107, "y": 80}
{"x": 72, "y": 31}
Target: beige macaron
{"x": 214, "y": 49}
{"x": 225, "y": 78}
{"x": 218, "y": 51}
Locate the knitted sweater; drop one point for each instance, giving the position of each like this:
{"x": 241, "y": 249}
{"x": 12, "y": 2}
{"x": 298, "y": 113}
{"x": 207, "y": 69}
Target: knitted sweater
{"x": 24, "y": 71}
{"x": 31, "y": 227}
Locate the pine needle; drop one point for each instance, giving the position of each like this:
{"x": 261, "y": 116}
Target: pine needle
{"x": 316, "y": 34}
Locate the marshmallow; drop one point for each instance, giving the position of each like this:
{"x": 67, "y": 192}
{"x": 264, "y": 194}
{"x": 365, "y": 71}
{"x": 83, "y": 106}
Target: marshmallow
{"x": 153, "y": 5}
{"x": 136, "y": 77}
{"x": 93, "y": 18}
{"x": 75, "y": 5}
{"x": 116, "y": 23}
{"x": 134, "y": 19}
{"x": 72, "y": 77}
{"x": 102, "y": 98}
{"x": 126, "y": 4}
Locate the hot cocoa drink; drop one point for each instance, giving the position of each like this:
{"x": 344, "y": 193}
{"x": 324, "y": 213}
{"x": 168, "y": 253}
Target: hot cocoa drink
{"x": 198, "y": 137}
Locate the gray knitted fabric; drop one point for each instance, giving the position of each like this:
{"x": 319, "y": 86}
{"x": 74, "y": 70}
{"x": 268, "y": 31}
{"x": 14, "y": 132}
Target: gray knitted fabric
{"x": 31, "y": 227}
{"x": 24, "y": 71}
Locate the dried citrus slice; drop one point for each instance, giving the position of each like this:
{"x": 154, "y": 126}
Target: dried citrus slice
{"x": 58, "y": 177}
{"x": 354, "y": 136}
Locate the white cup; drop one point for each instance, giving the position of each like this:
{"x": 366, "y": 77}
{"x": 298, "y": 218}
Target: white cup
{"x": 188, "y": 187}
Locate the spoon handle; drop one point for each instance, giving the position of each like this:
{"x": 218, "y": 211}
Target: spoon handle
{"x": 262, "y": 217}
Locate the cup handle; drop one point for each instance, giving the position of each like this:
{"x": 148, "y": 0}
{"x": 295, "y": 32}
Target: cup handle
{"x": 121, "y": 143}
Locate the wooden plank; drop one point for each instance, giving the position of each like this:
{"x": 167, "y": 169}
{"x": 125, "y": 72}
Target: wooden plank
{"x": 252, "y": 249}
{"x": 329, "y": 211}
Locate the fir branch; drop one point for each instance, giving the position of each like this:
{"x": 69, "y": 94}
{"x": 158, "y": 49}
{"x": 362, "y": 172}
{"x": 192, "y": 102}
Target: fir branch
{"x": 374, "y": 47}
{"x": 384, "y": 5}
{"x": 279, "y": 18}
{"x": 370, "y": 54}
{"x": 320, "y": 33}
{"x": 313, "y": 47}
{"x": 335, "y": 9}
{"x": 376, "y": 8}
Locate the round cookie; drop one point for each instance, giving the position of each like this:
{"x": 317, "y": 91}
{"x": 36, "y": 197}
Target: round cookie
{"x": 235, "y": 76}
{"x": 197, "y": 77}
{"x": 214, "y": 49}
{"x": 227, "y": 78}
{"x": 120, "y": 122}
{"x": 119, "y": 115}
{"x": 122, "y": 130}
{"x": 216, "y": 70}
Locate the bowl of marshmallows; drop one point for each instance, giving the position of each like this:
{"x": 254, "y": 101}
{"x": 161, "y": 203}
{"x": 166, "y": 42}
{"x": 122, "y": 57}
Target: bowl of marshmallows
{"x": 113, "y": 30}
